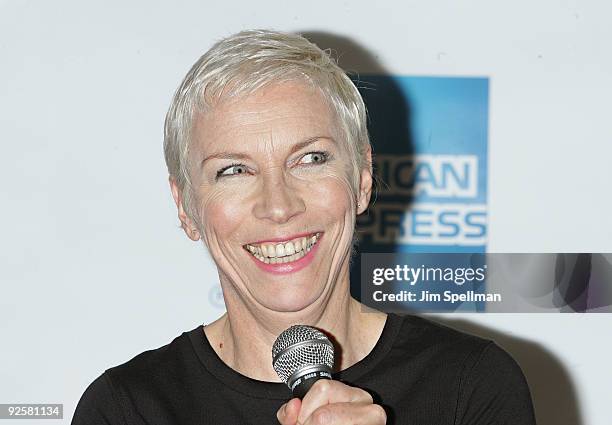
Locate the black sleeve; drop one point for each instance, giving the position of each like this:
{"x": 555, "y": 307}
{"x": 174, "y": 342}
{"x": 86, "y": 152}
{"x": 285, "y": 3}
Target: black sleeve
{"x": 494, "y": 391}
{"x": 98, "y": 405}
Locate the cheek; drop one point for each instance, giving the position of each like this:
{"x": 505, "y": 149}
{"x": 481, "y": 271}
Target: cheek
{"x": 221, "y": 213}
{"x": 333, "y": 194}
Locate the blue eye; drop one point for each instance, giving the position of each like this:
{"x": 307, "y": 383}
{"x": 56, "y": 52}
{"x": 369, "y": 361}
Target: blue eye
{"x": 232, "y": 170}
{"x": 318, "y": 157}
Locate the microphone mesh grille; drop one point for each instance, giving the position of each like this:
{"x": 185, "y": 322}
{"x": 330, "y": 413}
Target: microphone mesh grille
{"x": 304, "y": 346}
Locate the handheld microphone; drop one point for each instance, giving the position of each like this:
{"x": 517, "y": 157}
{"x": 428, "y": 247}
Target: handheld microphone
{"x": 301, "y": 355}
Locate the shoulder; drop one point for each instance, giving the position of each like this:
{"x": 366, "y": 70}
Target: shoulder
{"x": 493, "y": 388}
{"x": 420, "y": 336}
{"x": 110, "y": 398}
{"x": 166, "y": 362}
{"x": 98, "y": 405}
{"x": 489, "y": 384}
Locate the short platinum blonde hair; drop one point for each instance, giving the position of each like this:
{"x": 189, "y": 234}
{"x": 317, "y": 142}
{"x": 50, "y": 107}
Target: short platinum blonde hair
{"x": 244, "y": 62}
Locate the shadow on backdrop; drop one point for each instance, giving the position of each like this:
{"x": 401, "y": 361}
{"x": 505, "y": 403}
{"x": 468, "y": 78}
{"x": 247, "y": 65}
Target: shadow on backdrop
{"x": 389, "y": 114}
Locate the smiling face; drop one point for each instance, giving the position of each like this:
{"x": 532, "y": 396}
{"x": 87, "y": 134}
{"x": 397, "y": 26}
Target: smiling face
{"x": 272, "y": 195}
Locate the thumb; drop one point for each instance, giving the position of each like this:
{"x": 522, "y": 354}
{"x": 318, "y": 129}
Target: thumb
{"x": 288, "y": 413}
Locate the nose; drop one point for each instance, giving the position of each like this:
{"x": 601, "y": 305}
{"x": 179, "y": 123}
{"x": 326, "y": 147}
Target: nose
{"x": 277, "y": 201}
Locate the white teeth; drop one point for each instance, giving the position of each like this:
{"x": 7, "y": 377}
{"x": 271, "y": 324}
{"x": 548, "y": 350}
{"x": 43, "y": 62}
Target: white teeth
{"x": 283, "y": 253}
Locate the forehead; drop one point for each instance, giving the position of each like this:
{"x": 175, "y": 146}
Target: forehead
{"x": 280, "y": 113}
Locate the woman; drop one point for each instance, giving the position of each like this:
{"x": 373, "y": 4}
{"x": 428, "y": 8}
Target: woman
{"x": 270, "y": 163}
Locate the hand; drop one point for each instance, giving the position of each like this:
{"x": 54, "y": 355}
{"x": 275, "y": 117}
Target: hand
{"x": 332, "y": 402}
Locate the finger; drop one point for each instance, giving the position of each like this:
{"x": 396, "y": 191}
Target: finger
{"x": 288, "y": 413}
{"x": 348, "y": 414}
{"x": 327, "y": 391}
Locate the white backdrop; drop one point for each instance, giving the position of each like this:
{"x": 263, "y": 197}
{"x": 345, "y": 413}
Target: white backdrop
{"x": 93, "y": 266}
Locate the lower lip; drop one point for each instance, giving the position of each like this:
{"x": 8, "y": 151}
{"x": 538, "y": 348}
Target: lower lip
{"x": 291, "y": 267}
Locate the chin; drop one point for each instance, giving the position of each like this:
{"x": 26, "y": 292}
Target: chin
{"x": 291, "y": 302}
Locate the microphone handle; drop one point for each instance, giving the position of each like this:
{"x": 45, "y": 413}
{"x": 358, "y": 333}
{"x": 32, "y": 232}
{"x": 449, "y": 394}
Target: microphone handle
{"x": 300, "y": 387}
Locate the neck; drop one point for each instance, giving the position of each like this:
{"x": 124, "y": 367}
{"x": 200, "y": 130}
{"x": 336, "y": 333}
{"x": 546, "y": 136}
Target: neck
{"x": 243, "y": 337}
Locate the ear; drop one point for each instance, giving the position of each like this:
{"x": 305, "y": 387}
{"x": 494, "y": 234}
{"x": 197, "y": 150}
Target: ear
{"x": 191, "y": 230}
{"x": 365, "y": 183}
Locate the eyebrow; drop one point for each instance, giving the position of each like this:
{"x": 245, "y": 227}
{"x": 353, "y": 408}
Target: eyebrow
{"x": 242, "y": 156}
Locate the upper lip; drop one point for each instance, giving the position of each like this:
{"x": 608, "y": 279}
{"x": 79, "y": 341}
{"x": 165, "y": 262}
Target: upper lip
{"x": 283, "y": 238}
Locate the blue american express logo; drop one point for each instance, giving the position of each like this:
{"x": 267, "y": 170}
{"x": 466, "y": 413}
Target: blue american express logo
{"x": 435, "y": 183}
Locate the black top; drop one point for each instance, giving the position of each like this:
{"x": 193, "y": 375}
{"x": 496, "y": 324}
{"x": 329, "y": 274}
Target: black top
{"x": 421, "y": 372}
